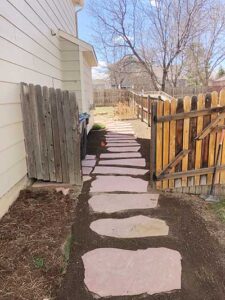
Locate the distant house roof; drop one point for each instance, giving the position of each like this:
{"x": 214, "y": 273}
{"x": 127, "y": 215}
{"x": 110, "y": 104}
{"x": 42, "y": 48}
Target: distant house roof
{"x": 221, "y": 78}
{"x": 87, "y": 49}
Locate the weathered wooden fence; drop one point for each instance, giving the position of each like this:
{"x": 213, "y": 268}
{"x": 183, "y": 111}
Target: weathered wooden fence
{"x": 110, "y": 97}
{"x": 186, "y": 138}
{"x": 52, "y": 138}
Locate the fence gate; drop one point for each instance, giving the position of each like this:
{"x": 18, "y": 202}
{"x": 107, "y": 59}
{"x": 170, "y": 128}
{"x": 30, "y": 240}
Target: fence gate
{"x": 52, "y": 138}
{"x": 187, "y": 149}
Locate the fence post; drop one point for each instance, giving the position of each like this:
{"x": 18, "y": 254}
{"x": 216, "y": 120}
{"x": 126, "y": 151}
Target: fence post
{"x": 138, "y": 108}
{"x": 153, "y": 144}
{"x": 142, "y": 108}
{"x": 149, "y": 111}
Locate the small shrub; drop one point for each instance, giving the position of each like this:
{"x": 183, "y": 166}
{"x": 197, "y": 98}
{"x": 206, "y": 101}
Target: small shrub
{"x": 98, "y": 126}
{"x": 39, "y": 262}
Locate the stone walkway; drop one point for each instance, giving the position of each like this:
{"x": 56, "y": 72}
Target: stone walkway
{"x": 119, "y": 186}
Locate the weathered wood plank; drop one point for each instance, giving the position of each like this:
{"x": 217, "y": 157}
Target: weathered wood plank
{"x": 212, "y": 138}
{"x": 69, "y": 135}
{"x": 166, "y": 132}
{"x": 42, "y": 133}
{"x": 172, "y": 137}
{"x": 76, "y": 138}
{"x": 55, "y": 131}
{"x": 159, "y": 143}
{"x": 173, "y": 163}
{"x": 205, "y": 141}
{"x": 197, "y": 172}
{"x": 187, "y": 108}
{"x": 153, "y": 144}
{"x": 222, "y": 174}
{"x": 179, "y": 140}
{"x": 49, "y": 133}
{"x": 28, "y": 133}
{"x": 35, "y": 130}
{"x": 192, "y": 141}
{"x": 149, "y": 111}
{"x": 62, "y": 136}
{"x": 191, "y": 114}
{"x": 200, "y": 105}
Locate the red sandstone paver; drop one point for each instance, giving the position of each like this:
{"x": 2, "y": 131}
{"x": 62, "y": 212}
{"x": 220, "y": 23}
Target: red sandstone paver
{"x": 120, "y": 155}
{"x": 124, "y": 149}
{"x": 115, "y": 272}
{"x": 133, "y": 162}
{"x": 119, "y": 171}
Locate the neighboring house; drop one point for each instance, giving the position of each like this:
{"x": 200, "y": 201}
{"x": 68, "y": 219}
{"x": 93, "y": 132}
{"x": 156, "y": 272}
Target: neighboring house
{"x": 39, "y": 44}
{"x": 217, "y": 84}
{"x": 101, "y": 84}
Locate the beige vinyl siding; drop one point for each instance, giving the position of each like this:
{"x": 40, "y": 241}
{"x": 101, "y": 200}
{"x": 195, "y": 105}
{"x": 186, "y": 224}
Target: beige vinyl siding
{"x": 29, "y": 53}
{"x": 71, "y": 66}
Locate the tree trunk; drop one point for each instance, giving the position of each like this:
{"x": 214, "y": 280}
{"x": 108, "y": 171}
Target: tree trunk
{"x": 163, "y": 85}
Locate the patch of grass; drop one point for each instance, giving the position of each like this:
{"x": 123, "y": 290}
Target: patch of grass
{"x": 67, "y": 247}
{"x": 219, "y": 209}
{"x": 98, "y": 126}
{"x": 39, "y": 262}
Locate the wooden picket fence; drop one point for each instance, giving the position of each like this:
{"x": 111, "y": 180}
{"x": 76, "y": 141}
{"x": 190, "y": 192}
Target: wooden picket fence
{"x": 52, "y": 138}
{"x": 110, "y": 97}
{"x": 185, "y": 138}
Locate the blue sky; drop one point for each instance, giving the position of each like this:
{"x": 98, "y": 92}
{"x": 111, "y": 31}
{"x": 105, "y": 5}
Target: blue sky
{"x": 85, "y": 25}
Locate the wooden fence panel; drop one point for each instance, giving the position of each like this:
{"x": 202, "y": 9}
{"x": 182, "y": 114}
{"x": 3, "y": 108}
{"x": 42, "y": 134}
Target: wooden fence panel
{"x": 49, "y": 136}
{"x": 186, "y": 134}
{"x": 52, "y": 138}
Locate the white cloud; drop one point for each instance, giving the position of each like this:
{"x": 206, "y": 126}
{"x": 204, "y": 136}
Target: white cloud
{"x": 100, "y": 72}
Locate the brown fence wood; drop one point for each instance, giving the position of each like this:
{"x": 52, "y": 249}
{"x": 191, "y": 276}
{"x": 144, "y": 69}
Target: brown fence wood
{"x": 52, "y": 138}
{"x": 181, "y": 159}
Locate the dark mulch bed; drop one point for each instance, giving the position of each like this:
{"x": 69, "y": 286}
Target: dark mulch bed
{"x": 32, "y": 238}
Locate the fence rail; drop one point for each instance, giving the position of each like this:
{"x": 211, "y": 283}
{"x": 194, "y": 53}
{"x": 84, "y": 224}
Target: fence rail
{"x": 186, "y": 138}
{"x": 52, "y": 138}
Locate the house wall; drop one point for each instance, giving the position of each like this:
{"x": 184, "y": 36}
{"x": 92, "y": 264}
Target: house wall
{"x": 87, "y": 88}
{"x": 28, "y": 53}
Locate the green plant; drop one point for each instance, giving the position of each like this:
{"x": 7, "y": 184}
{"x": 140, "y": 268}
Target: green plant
{"x": 98, "y": 126}
{"x": 39, "y": 262}
{"x": 219, "y": 209}
{"x": 67, "y": 247}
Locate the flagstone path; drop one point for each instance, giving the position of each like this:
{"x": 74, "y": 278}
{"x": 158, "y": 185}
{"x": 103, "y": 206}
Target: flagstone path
{"x": 120, "y": 187}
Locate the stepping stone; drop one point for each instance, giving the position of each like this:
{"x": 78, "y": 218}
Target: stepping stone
{"x": 88, "y": 163}
{"x": 110, "y": 203}
{"x": 86, "y": 170}
{"x": 115, "y": 272}
{"x": 118, "y": 184}
{"x": 121, "y": 140}
{"x": 133, "y": 162}
{"x": 120, "y": 155}
{"x": 87, "y": 157}
{"x": 123, "y": 144}
{"x": 134, "y": 227}
{"x": 119, "y": 171}
{"x": 122, "y": 136}
{"x": 121, "y": 131}
{"x": 86, "y": 178}
{"x": 124, "y": 149}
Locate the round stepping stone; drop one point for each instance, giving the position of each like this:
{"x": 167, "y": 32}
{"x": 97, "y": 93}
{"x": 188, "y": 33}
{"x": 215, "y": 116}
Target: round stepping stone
{"x": 114, "y": 272}
{"x": 134, "y": 227}
{"x": 133, "y": 162}
{"x": 124, "y": 149}
{"x": 119, "y": 171}
{"x": 120, "y": 155}
{"x": 118, "y": 184}
{"x": 110, "y": 203}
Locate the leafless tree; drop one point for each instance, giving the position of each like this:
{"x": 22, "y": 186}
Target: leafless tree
{"x": 155, "y": 32}
{"x": 208, "y": 51}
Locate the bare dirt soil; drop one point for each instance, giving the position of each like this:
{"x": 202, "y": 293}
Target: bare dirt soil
{"x": 195, "y": 231}
{"x": 34, "y": 245}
